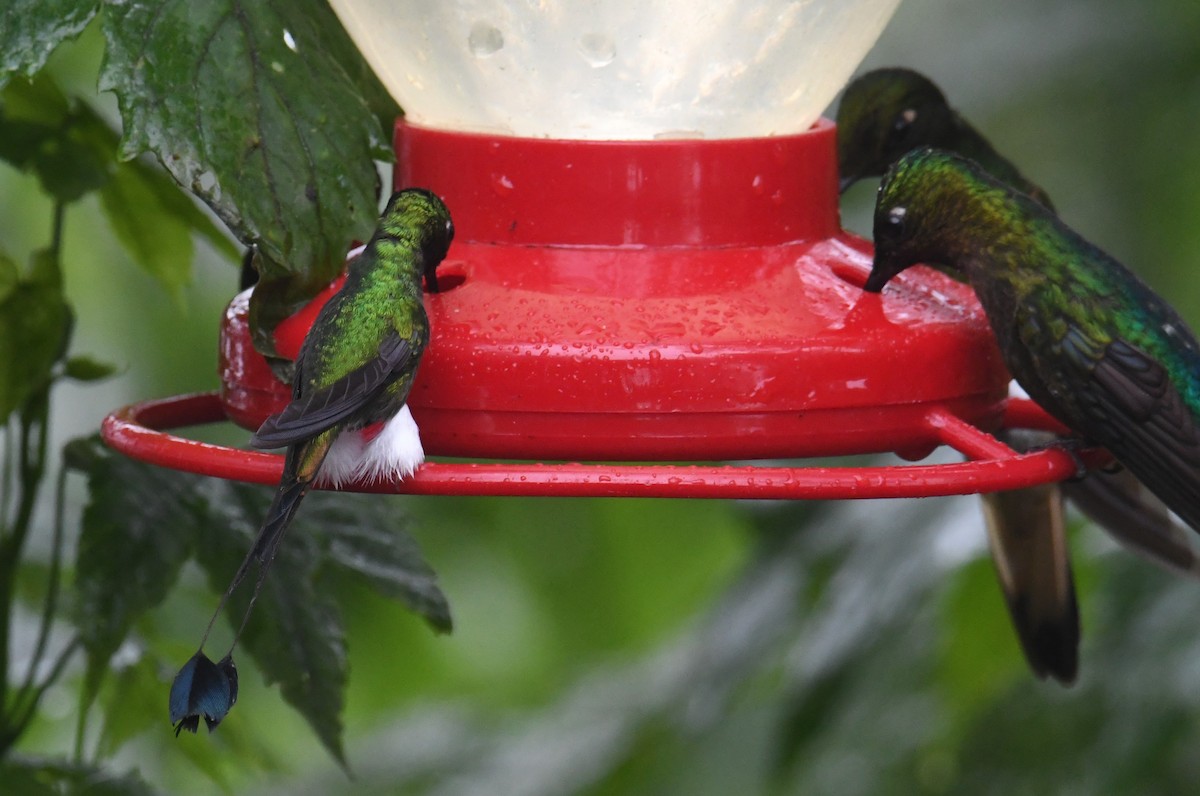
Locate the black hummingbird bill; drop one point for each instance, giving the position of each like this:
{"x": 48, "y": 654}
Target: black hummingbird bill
{"x": 348, "y": 418}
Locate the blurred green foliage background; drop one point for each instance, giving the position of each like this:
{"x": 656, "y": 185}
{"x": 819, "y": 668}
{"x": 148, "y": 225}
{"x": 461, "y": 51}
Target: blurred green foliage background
{"x": 629, "y": 647}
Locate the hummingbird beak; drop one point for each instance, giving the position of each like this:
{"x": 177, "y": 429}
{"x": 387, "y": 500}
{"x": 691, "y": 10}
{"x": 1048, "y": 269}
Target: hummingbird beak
{"x": 431, "y": 282}
{"x": 876, "y": 280}
{"x": 884, "y": 268}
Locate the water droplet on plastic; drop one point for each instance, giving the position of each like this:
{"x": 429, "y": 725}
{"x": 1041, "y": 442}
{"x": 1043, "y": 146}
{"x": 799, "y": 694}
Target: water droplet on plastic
{"x": 484, "y": 40}
{"x": 501, "y": 184}
{"x": 597, "y": 49}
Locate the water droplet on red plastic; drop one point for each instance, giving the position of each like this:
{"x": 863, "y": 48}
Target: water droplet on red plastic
{"x": 502, "y": 185}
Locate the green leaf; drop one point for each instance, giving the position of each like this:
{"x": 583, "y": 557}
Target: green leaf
{"x": 72, "y": 151}
{"x": 83, "y": 368}
{"x": 33, "y": 777}
{"x": 37, "y": 100}
{"x": 160, "y": 243}
{"x": 271, "y": 131}
{"x": 29, "y": 777}
{"x": 34, "y": 326}
{"x": 79, "y": 158}
{"x": 154, "y": 220}
{"x": 68, "y": 146}
{"x": 33, "y": 28}
{"x": 136, "y": 692}
{"x": 361, "y": 540}
{"x": 45, "y": 270}
{"x": 137, "y": 531}
{"x": 299, "y": 642}
{"x": 10, "y": 274}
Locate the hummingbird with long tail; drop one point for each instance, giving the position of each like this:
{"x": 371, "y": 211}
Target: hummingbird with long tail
{"x": 353, "y": 373}
{"x": 1090, "y": 342}
{"x": 884, "y": 114}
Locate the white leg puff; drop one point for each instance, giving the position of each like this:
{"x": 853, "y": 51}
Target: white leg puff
{"x": 343, "y": 460}
{"x": 395, "y": 452}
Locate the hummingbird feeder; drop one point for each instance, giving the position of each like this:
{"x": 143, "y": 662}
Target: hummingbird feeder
{"x": 648, "y": 267}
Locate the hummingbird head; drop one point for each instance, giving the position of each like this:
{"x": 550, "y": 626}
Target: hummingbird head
{"x": 920, "y": 213}
{"x": 884, "y": 114}
{"x": 423, "y": 211}
{"x": 434, "y": 248}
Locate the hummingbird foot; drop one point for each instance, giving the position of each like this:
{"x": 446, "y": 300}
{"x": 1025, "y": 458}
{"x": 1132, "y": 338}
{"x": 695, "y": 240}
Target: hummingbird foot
{"x": 1072, "y": 446}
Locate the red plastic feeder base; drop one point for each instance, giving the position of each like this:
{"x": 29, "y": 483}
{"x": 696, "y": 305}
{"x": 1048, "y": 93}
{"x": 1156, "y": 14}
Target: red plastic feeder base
{"x": 661, "y": 301}
{"x": 654, "y": 301}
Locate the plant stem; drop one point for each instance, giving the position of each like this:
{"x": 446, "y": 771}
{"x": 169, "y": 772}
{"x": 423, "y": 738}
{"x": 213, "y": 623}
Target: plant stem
{"x": 56, "y": 238}
{"x": 33, "y": 418}
{"x": 81, "y": 725}
{"x": 31, "y": 468}
{"x": 27, "y": 698}
{"x": 6, "y": 478}
{"x": 27, "y": 708}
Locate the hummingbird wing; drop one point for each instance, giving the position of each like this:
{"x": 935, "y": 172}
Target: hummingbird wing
{"x": 1027, "y": 537}
{"x": 316, "y": 411}
{"x": 1131, "y": 407}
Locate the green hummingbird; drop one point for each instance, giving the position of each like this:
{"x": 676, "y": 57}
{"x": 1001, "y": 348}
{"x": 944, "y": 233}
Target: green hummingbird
{"x": 887, "y": 112}
{"x": 884, "y": 114}
{"x": 1087, "y": 339}
{"x": 357, "y": 363}
{"x": 353, "y": 372}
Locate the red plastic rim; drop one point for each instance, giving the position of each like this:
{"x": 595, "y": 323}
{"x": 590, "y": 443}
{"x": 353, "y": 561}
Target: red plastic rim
{"x": 139, "y": 430}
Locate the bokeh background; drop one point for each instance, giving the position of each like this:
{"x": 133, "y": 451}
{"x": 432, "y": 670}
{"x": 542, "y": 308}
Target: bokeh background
{"x": 630, "y": 647}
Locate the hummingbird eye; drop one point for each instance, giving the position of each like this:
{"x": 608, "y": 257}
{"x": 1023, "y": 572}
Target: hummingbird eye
{"x": 893, "y": 223}
{"x": 899, "y": 137}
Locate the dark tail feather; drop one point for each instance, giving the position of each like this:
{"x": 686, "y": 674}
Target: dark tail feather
{"x": 279, "y": 517}
{"x": 266, "y": 544}
{"x": 1028, "y": 542}
{"x": 1119, "y": 504}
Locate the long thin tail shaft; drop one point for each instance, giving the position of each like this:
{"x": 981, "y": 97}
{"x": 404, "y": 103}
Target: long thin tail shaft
{"x": 266, "y": 545}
